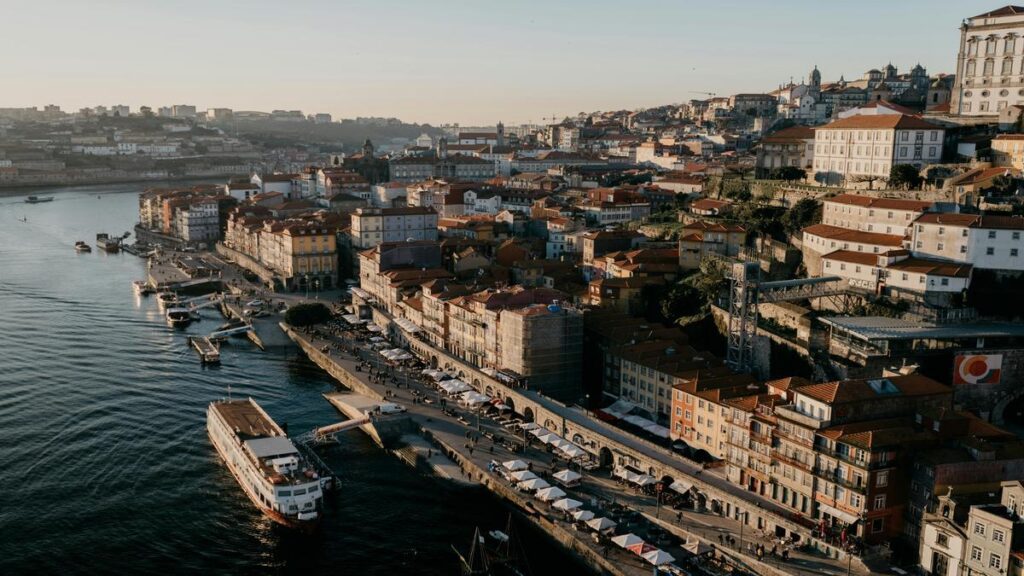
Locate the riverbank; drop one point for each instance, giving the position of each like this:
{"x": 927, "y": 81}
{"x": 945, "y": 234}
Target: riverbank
{"x": 8, "y": 189}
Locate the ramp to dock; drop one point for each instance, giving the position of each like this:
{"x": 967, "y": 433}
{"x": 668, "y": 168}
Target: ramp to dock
{"x": 385, "y": 429}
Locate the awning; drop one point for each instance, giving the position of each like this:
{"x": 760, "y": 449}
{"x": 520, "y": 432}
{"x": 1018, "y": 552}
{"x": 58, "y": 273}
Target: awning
{"x": 515, "y": 465}
{"x": 681, "y": 486}
{"x": 407, "y": 325}
{"x": 837, "y": 513}
{"x": 567, "y": 476}
{"x": 582, "y": 515}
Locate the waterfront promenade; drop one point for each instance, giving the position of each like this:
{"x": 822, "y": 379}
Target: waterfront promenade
{"x": 461, "y": 436}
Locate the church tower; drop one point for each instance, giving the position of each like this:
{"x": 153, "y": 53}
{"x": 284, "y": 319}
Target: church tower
{"x": 814, "y": 79}
{"x": 367, "y": 149}
{"x": 501, "y": 134}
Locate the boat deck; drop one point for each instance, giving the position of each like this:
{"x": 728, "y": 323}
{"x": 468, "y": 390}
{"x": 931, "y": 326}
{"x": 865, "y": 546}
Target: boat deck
{"x": 247, "y": 420}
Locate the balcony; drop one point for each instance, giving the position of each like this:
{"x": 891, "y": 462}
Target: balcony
{"x": 793, "y": 462}
{"x": 830, "y": 475}
{"x": 848, "y": 458}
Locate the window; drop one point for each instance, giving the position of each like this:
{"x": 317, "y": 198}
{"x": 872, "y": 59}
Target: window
{"x": 939, "y": 247}
{"x": 1015, "y": 235}
{"x": 945, "y": 282}
{"x": 963, "y": 249}
{"x": 879, "y": 501}
{"x": 1013, "y": 252}
{"x": 877, "y": 525}
{"x": 995, "y": 560}
{"x": 991, "y": 234}
{"x": 975, "y": 553}
{"x": 882, "y": 479}
{"x": 998, "y": 535}
{"x": 979, "y": 528}
{"x": 942, "y": 540}
{"x": 990, "y": 251}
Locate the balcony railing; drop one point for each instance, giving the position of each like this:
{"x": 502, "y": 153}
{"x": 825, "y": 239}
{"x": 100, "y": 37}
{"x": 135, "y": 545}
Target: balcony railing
{"x": 793, "y": 461}
{"x": 848, "y": 458}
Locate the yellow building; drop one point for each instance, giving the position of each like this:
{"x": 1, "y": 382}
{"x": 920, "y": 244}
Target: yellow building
{"x": 1008, "y": 150}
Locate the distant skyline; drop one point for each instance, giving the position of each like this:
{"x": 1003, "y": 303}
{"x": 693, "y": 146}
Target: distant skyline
{"x": 469, "y": 62}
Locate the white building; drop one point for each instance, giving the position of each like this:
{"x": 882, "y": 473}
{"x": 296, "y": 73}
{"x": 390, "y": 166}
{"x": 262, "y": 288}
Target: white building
{"x": 371, "y": 226}
{"x": 199, "y": 221}
{"x": 870, "y": 214}
{"x": 985, "y": 242}
{"x": 821, "y": 239}
{"x": 897, "y": 272}
{"x": 862, "y": 146}
{"x": 990, "y": 63}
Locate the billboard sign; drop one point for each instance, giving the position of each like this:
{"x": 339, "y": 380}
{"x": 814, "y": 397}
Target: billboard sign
{"x": 977, "y": 369}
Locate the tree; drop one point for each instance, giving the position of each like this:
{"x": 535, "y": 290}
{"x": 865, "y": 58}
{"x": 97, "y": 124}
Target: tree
{"x": 869, "y": 178}
{"x": 804, "y": 213}
{"x": 307, "y": 314}
{"x": 905, "y": 176}
{"x": 1002, "y": 184}
{"x": 788, "y": 173}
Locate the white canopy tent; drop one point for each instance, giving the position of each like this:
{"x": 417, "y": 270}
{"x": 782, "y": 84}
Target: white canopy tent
{"x": 627, "y": 540}
{"x": 535, "y": 484}
{"x": 529, "y": 426}
{"x": 550, "y": 493}
{"x": 601, "y": 524}
{"x": 659, "y": 557}
{"x": 573, "y": 451}
{"x": 680, "y": 486}
{"x": 567, "y": 476}
{"x": 374, "y": 328}
{"x": 523, "y": 475}
{"x": 515, "y": 465}
{"x": 582, "y": 515}
{"x": 567, "y": 504}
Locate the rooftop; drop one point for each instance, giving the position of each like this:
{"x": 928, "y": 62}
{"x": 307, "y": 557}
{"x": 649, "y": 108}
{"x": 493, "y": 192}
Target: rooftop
{"x": 882, "y": 328}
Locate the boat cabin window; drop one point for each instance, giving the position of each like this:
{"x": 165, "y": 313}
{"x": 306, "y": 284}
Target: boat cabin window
{"x": 299, "y": 491}
{"x": 285, "y": 493}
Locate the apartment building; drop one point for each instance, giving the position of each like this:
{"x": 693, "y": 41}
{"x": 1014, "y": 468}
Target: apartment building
{"x": 372, "y": 226}
{"x": 648, "y": 371}
{"x": 898, "y": 274}
{"x": 995, "y": 534}
{"x": 822, "y": 239}
{"x": 699, "y": 240}
{"x": 198, "y": 220}
{"x": 793, "y": 146}
{"x": 870, "y": 214}
{"x": 1008, "y": 151}
{"x": 868, "y": 146}
{"x": 982, "y": 241}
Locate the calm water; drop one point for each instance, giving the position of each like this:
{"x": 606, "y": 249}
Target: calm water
{"x": 104, "y": 461}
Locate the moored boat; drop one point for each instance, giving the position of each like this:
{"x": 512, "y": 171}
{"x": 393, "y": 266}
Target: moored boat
{"x": 142, "y": 288}
{"x": 82, "y": 247}
{"x": 108, "y": 243}
{"x": 274, "y": 474}
{"x": 38, "y": 199}
{"x": 166, "y": 299}
{"x": 178, "y": 316}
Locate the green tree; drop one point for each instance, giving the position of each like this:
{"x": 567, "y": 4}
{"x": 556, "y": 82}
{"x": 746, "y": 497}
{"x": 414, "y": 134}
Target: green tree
{"x": 805, "y": 212}
{"x": 905, "y": 176}
{"x": 307, "y": 314}
{"x": 788, "y": 173}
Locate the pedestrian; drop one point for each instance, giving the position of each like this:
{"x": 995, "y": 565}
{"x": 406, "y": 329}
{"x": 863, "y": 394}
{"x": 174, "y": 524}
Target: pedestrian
{"x": 679, "y": 517}
{"x": 720, "y": 539}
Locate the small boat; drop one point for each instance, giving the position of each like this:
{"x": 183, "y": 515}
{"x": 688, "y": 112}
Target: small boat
{"x": 38, "y": 199}
{"x": 108, "y": 243}
{"x": 82, "y": 247}
{"x": 502, "y": 557}
{"x": 178, "y": 317}
{"x": 142, "y": 288}
{"x": 166, "y": 299}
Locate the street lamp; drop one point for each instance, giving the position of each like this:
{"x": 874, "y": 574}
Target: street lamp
{"x": 306, "y": 278}
{"x": 743, "y": 523}
{"x": 316, "y": 286}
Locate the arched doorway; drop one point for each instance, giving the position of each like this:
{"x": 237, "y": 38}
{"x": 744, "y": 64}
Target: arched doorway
{"x": 667, "y": 481}
{"x": 605, "y": 457}
{"x": 510, "y": 403}
{"x": 1010, "y": 411}
{"x": 578, "y": 439}
{"x": 487, "y": 390}
{"x": 549, "y": 424}
{"x": 476, "y": 384}
{"x": 528, "y": 415}
{"x": 433, "y": 362}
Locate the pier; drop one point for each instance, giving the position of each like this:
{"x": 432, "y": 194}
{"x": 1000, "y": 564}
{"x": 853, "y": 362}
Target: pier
{"x": 208, "y": 352}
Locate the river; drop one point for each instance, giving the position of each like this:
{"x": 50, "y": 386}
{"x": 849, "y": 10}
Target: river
{"x": 105, "y": 466}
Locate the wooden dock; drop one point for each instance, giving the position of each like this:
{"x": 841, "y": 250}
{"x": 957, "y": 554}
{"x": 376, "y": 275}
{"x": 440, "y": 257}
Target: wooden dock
{"x": 207, "y": 350}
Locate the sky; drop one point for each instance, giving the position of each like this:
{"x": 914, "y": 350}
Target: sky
{"x": 452, "y": 61}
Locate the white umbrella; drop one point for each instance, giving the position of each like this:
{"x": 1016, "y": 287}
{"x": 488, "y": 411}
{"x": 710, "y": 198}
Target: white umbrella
{"x": 627, "y": 540}
{"x": 601, "y": 524}
{"x": 529, "y": 426}
{"x": 560, "y": 443}
{"x": 567, "y": 476}
{"x": 582, "y": 515}
{"x": 523, "y": 475}
{"x": 547, "y": 438}
{"x": 515, "y": 465}
{"x": 538, "y": 431}
{"x": 567, "y": 504}
{"x": 535, "y": 484}
{"x": 659, "y": 557}
{"x": 573, "y": 451}
{"x": 644, "y": 480}
{"x": 550, "y": 493}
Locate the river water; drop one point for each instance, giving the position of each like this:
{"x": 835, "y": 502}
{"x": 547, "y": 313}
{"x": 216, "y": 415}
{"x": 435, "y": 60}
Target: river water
{"x": 105, "y": 466}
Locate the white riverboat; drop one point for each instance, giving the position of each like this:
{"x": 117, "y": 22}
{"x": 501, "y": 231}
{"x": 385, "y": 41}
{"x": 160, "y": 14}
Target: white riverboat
{"x": 274, "y": 474}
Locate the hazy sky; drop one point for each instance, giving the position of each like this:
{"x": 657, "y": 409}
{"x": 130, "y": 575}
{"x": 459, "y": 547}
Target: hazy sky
{"x": 436, "y": 61}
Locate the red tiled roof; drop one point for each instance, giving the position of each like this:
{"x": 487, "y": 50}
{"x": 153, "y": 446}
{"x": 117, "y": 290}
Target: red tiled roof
{"x": 881, "y": 203}
{"x": 847, "y": 235}
{"x": 880, "y": 122}
{"x": 852, "y": 257}
{"x": 974, "y": 221}
{"x": 789, "y": 135}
